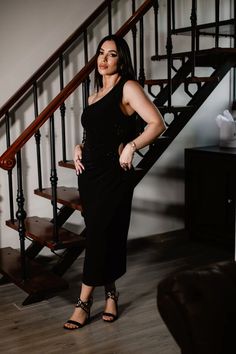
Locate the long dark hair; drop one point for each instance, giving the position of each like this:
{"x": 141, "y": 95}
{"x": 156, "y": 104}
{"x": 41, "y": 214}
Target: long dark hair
{"x": 125, "y": 66}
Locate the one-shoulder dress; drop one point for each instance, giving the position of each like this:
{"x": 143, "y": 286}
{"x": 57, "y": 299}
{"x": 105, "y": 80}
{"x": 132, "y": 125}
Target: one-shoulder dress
{"x": 105, "y": 188}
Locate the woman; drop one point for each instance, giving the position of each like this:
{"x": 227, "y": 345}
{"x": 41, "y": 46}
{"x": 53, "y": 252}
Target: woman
{"x": 104, "y": 165}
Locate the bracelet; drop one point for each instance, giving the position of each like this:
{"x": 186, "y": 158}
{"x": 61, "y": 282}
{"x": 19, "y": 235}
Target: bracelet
{"x": 133, "y": 146}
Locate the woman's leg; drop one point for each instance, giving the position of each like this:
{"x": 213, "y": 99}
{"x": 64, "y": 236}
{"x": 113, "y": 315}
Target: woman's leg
{"x": 79, "y": 315}
{"x": 111, "y": 304}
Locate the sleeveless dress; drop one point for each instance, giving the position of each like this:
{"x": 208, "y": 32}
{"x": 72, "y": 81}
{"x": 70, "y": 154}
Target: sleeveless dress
{"x": 105, "y": 188}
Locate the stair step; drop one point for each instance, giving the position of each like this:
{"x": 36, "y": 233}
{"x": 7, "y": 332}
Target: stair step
{"x": 41, "y": 230}
{"x": 197, "y": 79}
{"x": 161, "y": 140}
{"x": 67, "y": 164}
{"x": 174, "y": 109}
{"x": 217, "y": 53}
{"x": 225, "y": 28}
{"x": 180, "y": 55}
{"x": 153, "y": 82}
{"x": 40, "y": 284}
{"x": 189, "y": 80}
{"x": 68, "y": 196}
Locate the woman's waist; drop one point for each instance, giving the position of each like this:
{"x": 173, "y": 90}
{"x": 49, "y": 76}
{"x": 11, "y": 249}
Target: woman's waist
{"x": 100, "y": 155}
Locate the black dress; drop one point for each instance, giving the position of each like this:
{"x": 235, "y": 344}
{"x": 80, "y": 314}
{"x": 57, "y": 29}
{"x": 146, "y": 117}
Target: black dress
{"x": 105, "y": 188}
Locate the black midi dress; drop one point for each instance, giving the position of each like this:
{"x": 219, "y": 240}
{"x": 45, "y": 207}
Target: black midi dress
{"x": 105, "y": 188}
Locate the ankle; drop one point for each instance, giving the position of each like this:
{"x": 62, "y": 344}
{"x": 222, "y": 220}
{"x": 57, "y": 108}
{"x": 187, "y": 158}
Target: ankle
{"x": 113, "y": 295}
{"x": 85, "y": 299}
{"x": 110, "y": 287}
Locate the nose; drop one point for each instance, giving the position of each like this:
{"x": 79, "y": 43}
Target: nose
{"x": 104, "y": 57}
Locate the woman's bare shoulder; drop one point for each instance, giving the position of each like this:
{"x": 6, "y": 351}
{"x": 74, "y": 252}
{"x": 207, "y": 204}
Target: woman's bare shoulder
{"x": 132, "y": 89}
{"x": 132, "y": 84}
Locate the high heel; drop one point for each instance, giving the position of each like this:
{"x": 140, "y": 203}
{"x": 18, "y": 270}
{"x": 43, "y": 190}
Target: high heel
{"x": 114, "y": 295}
{"x": 84, "y": 305}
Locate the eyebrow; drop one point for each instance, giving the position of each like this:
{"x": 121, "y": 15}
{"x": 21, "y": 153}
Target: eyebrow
{"x": 111, "y": 50}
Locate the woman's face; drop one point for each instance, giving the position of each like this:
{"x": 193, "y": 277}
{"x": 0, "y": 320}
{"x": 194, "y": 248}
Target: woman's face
{"x": 107, "y": 61}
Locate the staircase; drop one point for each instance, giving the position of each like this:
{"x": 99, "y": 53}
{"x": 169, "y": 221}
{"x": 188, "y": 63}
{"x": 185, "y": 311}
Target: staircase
{"x": 21, "y": 267}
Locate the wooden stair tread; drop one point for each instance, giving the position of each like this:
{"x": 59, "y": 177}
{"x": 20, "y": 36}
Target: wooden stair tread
{"x": 192, "y": 79}
{"x": 199, "y": 53}
{"x": 41, "y": 230}
{"x": 68, "y": 196}
{"x": 196, "y": 79}
{"x": 67, "y": 164}
{"x": 226, "y": 27}
{"x": 152, "y": 82}
{"x": 179, "y": 55}
{"x": 174, "y": 109}
{"x": 40, "y": 282}
{"x": 163, "y": 139}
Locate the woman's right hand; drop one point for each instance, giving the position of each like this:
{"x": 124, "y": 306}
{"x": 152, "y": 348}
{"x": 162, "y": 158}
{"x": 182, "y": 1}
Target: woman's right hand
{"x": 77, "y": 159}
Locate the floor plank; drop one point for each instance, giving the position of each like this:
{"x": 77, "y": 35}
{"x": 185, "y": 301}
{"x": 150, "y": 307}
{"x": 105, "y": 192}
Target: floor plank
{"x": 38, "y": 328}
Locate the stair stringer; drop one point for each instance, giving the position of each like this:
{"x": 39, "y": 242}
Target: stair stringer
{"x": 176, "y": 126}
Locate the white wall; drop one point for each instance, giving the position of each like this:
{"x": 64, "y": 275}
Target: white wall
{"x": 27, "y": 40}
{"x": 30, "y": 31}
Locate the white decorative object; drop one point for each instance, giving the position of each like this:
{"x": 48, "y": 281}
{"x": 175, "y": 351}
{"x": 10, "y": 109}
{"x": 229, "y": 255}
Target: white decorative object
{"x": 227, "y": 128}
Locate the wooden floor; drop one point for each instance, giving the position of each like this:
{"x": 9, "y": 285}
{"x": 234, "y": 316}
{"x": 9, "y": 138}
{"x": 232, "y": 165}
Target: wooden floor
{"x": 37, "y": 328}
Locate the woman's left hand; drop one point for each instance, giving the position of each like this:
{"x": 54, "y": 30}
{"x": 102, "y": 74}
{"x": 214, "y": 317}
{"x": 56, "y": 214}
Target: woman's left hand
{"x": 126, "y": 157}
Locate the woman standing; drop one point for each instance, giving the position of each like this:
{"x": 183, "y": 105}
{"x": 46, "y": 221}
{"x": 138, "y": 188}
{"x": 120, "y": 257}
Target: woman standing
{"x": 104, "y": 165}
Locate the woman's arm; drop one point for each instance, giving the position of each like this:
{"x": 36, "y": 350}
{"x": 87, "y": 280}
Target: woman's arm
{"x": 136, "y": 100}
{"x": 78, "y": 151}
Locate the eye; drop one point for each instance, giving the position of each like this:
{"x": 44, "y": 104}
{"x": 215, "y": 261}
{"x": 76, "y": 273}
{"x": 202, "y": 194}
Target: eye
{"x": 113, "y": 55}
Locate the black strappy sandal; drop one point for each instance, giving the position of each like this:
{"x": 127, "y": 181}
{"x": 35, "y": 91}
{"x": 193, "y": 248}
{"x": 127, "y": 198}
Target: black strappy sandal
{"x": 114, "y": 295}
{"x": 84, "y": 305}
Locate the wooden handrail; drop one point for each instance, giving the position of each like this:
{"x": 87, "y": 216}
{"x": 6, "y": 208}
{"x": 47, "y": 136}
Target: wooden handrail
{"x": 7, "y": 160}
{"x": 52, "y": 59}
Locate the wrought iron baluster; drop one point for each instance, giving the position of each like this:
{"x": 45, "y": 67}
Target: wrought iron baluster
{"x": 197, "y": 40}
{"x": 134, "y": 35}
{"x": 140, "y": 124}
{"x": 53, "y": 179}
{"x": 86, "y": 83}
{"x": 62, "y": 110}
{"x": 109, "y": 11}
{"x": 10, "y": 185}
{"x": 156, "y": 10}
{"x": 141, "y": 77}
{"x": 21, "y": 216}
{"x": 37, "y": 136}
{"x": 234, "y": 23}
{"x": 234, "y": 69}
{"x": 173, "y": 14}
{"x": 217, "y": 19}
{"x": 169, "y": 48}
{"x": 193, "y": 19}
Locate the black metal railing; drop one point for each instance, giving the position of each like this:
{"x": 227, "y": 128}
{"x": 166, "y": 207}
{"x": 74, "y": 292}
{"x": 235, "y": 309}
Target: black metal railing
{"x": 32, "y": 86}
{"x": 135, "y": 26}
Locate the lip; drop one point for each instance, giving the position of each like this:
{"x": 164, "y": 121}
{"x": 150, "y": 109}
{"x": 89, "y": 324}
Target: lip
{"x": 101, "y": 66}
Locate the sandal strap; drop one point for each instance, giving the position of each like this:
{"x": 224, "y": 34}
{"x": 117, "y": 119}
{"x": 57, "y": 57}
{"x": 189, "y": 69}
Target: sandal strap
{"x": 77, "y": 324}
{"x": 84, "y": 305}
{"x": 114, "y": 295}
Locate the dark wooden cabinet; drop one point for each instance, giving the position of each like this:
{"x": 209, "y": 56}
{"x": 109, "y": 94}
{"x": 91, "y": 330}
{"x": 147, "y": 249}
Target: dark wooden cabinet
{"x": 210, "y": 186}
